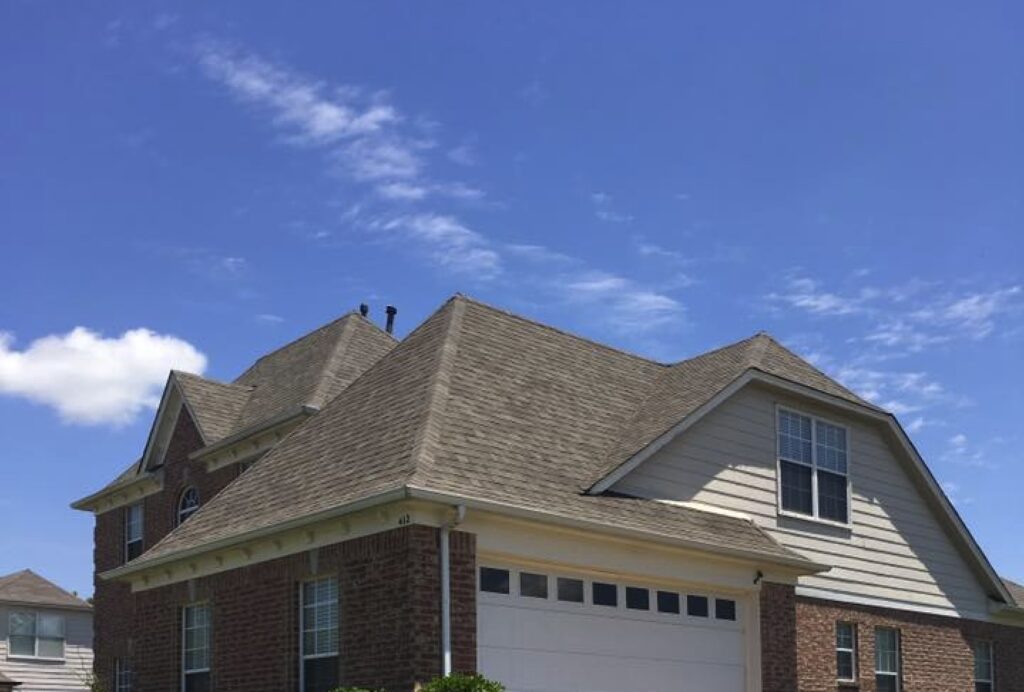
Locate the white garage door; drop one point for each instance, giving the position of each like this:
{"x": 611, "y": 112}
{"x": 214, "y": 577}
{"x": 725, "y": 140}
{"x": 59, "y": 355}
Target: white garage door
{"x": 562, "y": 633}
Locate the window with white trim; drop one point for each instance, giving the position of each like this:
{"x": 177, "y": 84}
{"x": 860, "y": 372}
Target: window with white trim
{"x": 813, "y": 467}
{"x": 319, "y": 641}
{"x": 35, "y": 635}
{"x": 846, "y": 651}
{"x": 887, "y": 660}
{"x": 132, "y": 531}
{"x": 195, "y": 647}
{"x": 188, "y": 503}
{"x": 122, "y": 675}
{"x": 984, "y": 667}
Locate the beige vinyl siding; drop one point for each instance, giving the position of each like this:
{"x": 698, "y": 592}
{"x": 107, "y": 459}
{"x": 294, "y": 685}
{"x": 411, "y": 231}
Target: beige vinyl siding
{"x": 895, "y": 550}
{"x": 44, "y": 676}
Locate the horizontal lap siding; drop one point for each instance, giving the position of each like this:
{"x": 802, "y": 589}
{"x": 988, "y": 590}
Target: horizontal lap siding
{"x": 44, "y": 676}
{"x": 896, "y": 549}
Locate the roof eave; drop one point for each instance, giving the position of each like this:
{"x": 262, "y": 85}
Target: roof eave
{"x": 91, "y": 503}
{"x": 300, "y": 411}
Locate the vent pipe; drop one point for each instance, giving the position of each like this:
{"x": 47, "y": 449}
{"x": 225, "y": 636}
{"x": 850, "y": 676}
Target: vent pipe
{"x": 391, "y": 311}
{"x": 364, "y": 309}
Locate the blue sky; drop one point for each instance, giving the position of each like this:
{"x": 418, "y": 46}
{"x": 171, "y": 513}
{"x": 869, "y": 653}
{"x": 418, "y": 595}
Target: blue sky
{"x": 190, "y": 186}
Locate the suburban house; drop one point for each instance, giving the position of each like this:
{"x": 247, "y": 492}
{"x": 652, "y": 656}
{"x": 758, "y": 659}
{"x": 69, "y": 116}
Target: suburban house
{"x": 493, "y": 494}
{"x": 47, "y": 642}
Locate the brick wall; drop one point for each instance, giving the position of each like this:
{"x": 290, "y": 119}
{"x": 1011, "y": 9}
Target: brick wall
{"x": 937, "y": 651}
{"x": 778, "y": 638}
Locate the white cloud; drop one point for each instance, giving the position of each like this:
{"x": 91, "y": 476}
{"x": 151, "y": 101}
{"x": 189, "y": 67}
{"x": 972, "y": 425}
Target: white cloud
{"x": 955, "y": 493}
{"x": 974, "y": 314}
{"x": 269, "y": 318}
{"x": 602, "y": 202}
{"x": 806, "y": 294}
{"x": 90, "y": 379}
{"x": 452, "y": 244}
{"x": 464, "y": 154}
{"x": 625, "y": 305}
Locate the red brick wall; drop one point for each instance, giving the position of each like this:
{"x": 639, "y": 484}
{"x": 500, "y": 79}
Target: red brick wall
{"x": 778, "y": 638}
{"x": 937, "y": 651}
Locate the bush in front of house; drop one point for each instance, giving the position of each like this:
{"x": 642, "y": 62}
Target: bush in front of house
{"x": 456, "y": 682}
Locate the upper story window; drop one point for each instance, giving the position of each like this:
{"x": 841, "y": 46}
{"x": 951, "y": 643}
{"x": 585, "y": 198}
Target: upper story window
{"x": 188, "y": 503}
{"x": 984, "y": 668}
{"x": 319, "y": 641}
{"x": 132, "y": 531}
{"x": 35, "y": 635}
{"x": 195, "y": 646}
{"x": 813, "y": 467}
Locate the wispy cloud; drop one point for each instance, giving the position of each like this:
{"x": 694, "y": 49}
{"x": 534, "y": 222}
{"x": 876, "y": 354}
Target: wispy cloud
{"x": 955, "y": 494}
{"x": 269, "y": 318}
{"x": 630, "y": 306}
{"x": 90, "y": 379}
{"x": 962, "y": 451}
{"x": 973, "y": 315}
{"x": 604, "y": 211}
{"x": 452, "y": 244}
{"x": 806, "y": 294}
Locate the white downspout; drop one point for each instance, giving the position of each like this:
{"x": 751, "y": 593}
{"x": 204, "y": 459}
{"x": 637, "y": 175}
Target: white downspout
{"x": 446, "y": 600}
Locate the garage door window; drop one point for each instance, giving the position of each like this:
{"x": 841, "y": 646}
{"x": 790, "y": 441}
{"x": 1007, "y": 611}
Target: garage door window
{"x": 637, "y": 598}
{"x": 725, "y": 609}
{"x": 494, "y": 580}
{"x": 570, "y": 590}
{"x": 605, "y": 594}
{"x": 697, "y": 606}
{"x": 668, "y": 602}
{"x": 533, "y": 585}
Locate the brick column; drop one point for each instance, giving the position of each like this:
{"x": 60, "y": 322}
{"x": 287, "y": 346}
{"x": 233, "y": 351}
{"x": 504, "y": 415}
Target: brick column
{"x": 778, "y": 638}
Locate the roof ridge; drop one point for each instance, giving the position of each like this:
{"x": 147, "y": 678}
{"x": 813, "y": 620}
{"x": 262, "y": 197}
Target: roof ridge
{"x": 557, "y": 330}
{"x": 211, "y": 380}
{"x": 718, "y": 349}
{"x": 437, "y": 392}
{"x": 336, "y": 354}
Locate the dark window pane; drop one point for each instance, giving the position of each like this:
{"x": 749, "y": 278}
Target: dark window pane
{"x": 796, "y": 488}
{"x": 697, "y": 606}
{"x": 533, "y": 585}
{"x": 844, "y": 665}
{"x": 831, "y": 496}
{"x": 493, "y": 580}
{"x": 725, "y": 609}
{"x": 321, "y": 674}
{"x": 133, "y": 550}
{"x": 886, "y": 683}
{"x": 668, "y": 602}
{"x": 197, "y": 682}
{"x": 983, "y": 687}
{"x": 570, "y": 590}
{"x": 637, "y": 598}
{"x": 605, "y": 594}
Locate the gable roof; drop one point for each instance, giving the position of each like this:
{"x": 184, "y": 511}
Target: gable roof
{"x": 479, "y": 404}
{"x": 28, "y": 587}
{"x": 216, "y": 406}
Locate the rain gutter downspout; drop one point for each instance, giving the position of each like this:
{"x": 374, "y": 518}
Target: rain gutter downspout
{"x": 446, "y": 600}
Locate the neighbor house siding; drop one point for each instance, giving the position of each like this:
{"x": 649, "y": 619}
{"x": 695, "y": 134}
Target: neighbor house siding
{"x": 895, "y": 552}
{"x": 43, "y": 676}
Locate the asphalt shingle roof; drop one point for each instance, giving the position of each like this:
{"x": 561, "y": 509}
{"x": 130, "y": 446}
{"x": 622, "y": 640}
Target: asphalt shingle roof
{"x": 28, "y": 587}
{"x": 482, "y": 404}
{"x": 1016, "y": 590}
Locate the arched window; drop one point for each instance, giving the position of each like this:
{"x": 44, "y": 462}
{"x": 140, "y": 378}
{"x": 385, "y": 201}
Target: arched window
{"x": 188, "y": 504}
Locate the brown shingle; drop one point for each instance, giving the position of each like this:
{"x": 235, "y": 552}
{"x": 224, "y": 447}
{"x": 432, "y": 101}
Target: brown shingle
{"x": 28, "y": 587}
{"x": 1016, "y": 590}
{"x": 216, "y": 405}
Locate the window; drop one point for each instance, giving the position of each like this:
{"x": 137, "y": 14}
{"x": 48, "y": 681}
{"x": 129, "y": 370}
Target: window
{"x": 533, "y": 585}
{"x": 697, "y": 606}
{"x": 984, "y": 668}
{"x": 494, "y": 580}
{"x": 195, "y": 648}
{"x": 320, "y": 635}
{"x": 668, "y": 602}
{"x": 570, "y": 590}
{"x": 725, "y": 609}
{"x": 188, "y": 503}
{"x": 637, "y": 598}
{"x": 132, "y": 531}
{"x": 122, "y": 676}
{"x": 846, "y": 651}
{"x": 605, "y": 594}
{"x": 35, "y": 635}
{"x": 813, "y": 460}
{"x": 887, "y": 660}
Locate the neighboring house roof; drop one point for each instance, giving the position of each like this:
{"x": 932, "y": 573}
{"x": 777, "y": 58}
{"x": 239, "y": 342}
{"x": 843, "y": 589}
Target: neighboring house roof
{"x": 480, "y": 404}
{"x": 28, "y": 587}
{"x": 1016, "y": 590}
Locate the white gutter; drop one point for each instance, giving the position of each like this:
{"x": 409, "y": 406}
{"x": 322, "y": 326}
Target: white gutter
{"x": 446, "y": 600}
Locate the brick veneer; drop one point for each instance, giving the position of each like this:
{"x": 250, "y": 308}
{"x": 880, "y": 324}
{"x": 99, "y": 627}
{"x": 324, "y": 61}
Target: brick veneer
{"x": 778, "y": 638}
{"x": 936, "y": 651}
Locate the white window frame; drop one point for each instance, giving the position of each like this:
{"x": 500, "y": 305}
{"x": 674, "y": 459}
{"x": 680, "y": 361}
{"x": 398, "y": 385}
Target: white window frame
{"x": 852, "y": 651}
{"x": 183, "y": 514}
{"x": 185, "y": 670}
{"x": 122, "y": 676}
{"x": 303, "y": 656}
{"x": 991, "y": 681}
{"x": 898, "y": 673}
{"x": 35, "y": 636}
{"x": 814, "y": 516}
{"x": 128, "y": 524}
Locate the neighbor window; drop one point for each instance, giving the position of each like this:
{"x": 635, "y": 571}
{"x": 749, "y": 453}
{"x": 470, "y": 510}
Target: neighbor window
{"x": 195, "y": 646}
{"x": 320, "y": 635}
{"x": 846, "y": 651}
{"x": 984, "y": 668}
{"x": 188, "y": 503}
{"x": 37, "y": 635}
{"x": 887, "y": 660}
{"x": 122, "y": 676}
{"x": 813, "y": 459}
{"x": 132, "y": 531}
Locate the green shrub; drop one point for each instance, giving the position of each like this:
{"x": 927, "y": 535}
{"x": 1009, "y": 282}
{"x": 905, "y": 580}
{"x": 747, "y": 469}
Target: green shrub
{"x": 457, "y": 682}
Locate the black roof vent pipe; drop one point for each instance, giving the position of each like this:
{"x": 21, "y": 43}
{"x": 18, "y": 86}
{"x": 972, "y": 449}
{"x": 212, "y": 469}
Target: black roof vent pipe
{"x": 391, "y": 311}
{"x": 364, "y": 309}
